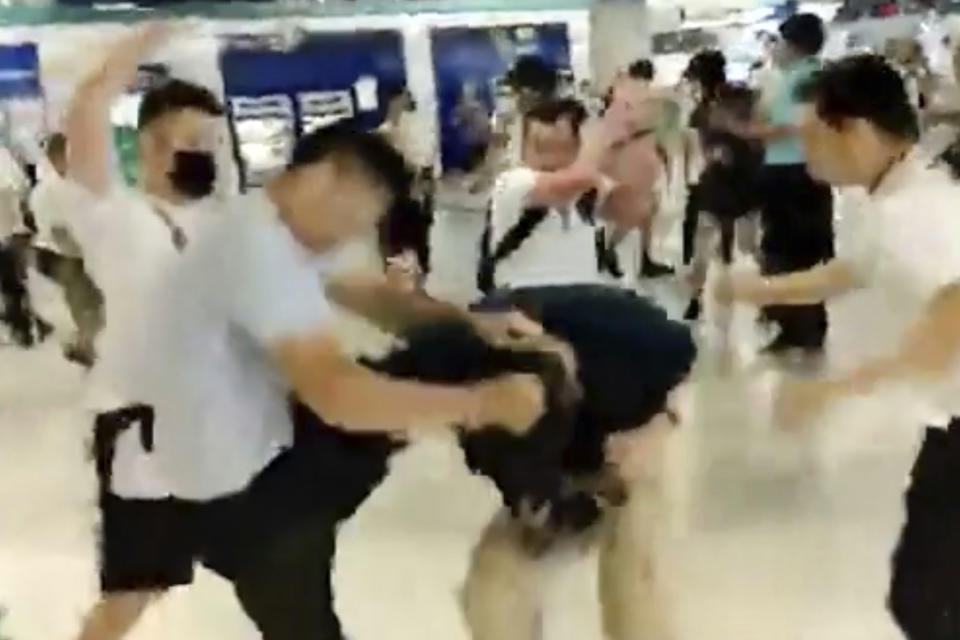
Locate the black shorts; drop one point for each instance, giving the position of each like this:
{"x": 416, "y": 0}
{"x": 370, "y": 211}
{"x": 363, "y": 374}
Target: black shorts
{"x": 925, "y": 589}
{"x": 153, "y": 545}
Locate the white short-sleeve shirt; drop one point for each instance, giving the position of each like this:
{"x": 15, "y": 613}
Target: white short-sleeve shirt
{"x": 561, "y": 250}
{"x": 904, "y": 239}
{"x": 221, "y": 406}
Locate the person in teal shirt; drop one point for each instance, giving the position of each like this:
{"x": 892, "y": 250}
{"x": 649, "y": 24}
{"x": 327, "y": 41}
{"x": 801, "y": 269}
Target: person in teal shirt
{"x": 796, "y": 210}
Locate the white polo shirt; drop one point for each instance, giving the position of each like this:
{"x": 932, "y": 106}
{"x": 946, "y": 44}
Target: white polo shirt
{"x": 906, "y": 242}
{"x": 203, "y": 360}
{"x": 561, "y": 250}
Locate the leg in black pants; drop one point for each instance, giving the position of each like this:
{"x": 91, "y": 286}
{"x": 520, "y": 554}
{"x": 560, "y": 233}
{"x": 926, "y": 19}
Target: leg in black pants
{"x": 925, "y": 590}
{"x": 797, "y": 218}
{"x": 16, "y": 302}
{"x": 691, "y": 215}
{"x": 286, "y": 590}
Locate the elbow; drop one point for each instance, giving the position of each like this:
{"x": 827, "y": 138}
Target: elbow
{"x": 324, "y": 395}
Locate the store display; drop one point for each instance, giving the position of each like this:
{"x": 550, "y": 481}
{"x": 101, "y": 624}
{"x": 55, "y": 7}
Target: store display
{"x": 265, "y": 131}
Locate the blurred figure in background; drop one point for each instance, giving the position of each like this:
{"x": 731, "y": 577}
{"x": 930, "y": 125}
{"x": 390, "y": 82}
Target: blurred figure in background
{"x": 797, "y": 210}
{"x": 18, "y": 315}
{"x": 638, "y": 162}
{"x": 725, "y": 189}
{"x": 531, "y": 81}
{"x": 403, "y": 131}
{"x": 59, "y": 256}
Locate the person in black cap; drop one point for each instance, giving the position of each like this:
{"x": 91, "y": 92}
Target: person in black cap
{"x": 796, "y": 210}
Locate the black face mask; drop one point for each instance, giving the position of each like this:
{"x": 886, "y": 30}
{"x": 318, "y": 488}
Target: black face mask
{"x": 194, "y": 173}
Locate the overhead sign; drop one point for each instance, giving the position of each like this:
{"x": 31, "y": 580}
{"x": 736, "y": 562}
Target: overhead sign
{"x": 19, "y": 71}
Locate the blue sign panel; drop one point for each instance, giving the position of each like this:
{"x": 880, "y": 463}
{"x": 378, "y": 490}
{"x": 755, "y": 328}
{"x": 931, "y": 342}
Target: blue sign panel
{"x": 19, "y": 71}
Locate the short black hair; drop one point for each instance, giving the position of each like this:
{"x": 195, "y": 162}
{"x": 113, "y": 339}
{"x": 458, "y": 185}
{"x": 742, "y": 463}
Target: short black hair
{"x": 56, "y": 146}
{"x": 641, "y": 69}
{"x": 708, "y": 68}
{"x": 346, "y": 142}
{"x": 863, "y": 86}
{"x": 552, "y": 111}
{"x": 804, "y": 32}
{"x": 391, "y": 90}
{"x": 176, "y": 95}
{"x": 534, "y": 74}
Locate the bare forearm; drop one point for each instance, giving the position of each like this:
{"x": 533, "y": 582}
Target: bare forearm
{"x": 88, "y": 115}
{"x": 561, "y": 187}
{"x": 363, "y": 401}
{"x": 804, "y": 287}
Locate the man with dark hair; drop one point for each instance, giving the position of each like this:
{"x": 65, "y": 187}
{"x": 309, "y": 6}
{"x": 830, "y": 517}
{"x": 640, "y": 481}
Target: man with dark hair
{"x": 129, "y": 237}
{"x": 861, "y": 130}
{"x": 533, "y": 80}
{"x": 642, "y": 69}
{"x": 796, "y": 209}
{"x": 243, "y": 321}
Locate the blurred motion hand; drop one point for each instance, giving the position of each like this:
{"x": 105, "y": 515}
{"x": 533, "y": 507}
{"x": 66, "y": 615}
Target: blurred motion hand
{"x": 514, "y": 402}
{"x": 739, "y": 287}
{"x": 799, "y": 402}
{"x": 502, "y": 328}
{"x": 403, "y": 272}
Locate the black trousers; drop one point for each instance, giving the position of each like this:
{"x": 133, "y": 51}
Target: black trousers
{"x": 16, "y": 301}
{"x": 925, "y": 588}
{"x": 695, "y": 207}
{"x": 797, "y": 223}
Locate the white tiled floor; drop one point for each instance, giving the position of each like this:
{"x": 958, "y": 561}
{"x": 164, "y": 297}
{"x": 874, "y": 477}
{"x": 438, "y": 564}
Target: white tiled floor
{"x": 782, "y": 536}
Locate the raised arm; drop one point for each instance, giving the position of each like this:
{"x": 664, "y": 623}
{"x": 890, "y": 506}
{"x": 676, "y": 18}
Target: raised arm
{"x": 87, "y": 124}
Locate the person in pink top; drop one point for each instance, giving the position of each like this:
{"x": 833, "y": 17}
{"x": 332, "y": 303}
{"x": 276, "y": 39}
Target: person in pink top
{"x": 638, "y": 162}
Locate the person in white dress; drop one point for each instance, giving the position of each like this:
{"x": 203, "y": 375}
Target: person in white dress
{"x": 908, "y": 244}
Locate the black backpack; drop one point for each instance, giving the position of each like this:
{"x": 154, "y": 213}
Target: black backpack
{"x": 529, "y": 220}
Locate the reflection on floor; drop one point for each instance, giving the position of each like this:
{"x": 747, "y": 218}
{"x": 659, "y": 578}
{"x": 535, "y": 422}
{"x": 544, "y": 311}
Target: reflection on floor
{"x": 776, "y": 535}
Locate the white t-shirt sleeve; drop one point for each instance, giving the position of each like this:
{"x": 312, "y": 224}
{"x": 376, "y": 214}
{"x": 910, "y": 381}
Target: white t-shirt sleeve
{"x": 509, "y": 200}
{"x": 276, "y": 291}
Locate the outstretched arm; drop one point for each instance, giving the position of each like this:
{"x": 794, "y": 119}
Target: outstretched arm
{"x": 355, "y": 398}
{"x": 927, "y": 352}
{"x": 88, "y": 115}
{"x": 812, "y": 286}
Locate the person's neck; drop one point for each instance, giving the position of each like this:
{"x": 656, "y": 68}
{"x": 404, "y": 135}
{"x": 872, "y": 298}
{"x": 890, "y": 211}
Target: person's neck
{"x": 394, "y": 117}
{"x": 886, "y": 163}
{"x": 161, "y": 190}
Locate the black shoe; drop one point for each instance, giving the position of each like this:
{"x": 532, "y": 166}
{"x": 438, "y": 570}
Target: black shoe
{"x": 692, "y": 314}
{"x": 653, "y": 269}
{"x": 44, "y": 329}
{"x": 80, "y": 356}
{"x": 780, "y": 346}
{"x": 610, "y": 262}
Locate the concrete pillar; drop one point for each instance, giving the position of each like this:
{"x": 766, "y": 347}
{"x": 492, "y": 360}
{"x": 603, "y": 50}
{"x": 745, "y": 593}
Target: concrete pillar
{"x": 619, "y": 34}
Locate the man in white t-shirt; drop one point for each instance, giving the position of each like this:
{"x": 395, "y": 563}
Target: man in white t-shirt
{"x": 242, "y": 323}
{"x": 129, "y": 237}
{"x": 909, "y": 246}
{"x": 542, "y": 231}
